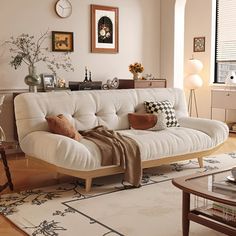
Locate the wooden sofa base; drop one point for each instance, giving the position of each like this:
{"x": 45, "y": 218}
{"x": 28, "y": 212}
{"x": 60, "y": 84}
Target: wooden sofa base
{"x": 88, "y": 175}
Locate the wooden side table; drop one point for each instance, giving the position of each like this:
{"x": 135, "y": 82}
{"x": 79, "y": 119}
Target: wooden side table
{"x": 4, "y": 145}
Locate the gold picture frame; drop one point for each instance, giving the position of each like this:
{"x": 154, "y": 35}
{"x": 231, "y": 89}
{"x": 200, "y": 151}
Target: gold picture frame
{"x": 199, "y": 44}
{"x": 104, "y": 29}
{"x": 62, "y": 41}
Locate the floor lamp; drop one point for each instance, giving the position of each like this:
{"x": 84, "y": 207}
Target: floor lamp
{"x": 193, "y": 81}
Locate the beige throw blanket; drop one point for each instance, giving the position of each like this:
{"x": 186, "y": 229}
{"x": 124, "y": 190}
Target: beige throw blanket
{"x": 117, "y": 149}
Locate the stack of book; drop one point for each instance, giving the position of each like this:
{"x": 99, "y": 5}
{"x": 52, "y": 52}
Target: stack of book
{"x": 224, "y": 211}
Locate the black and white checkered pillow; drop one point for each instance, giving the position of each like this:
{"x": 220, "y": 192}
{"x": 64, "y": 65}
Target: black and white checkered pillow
{"x": 164, "y": 107}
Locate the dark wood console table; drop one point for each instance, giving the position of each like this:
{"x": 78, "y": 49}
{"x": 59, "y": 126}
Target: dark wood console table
{"x": 4, "y": 145}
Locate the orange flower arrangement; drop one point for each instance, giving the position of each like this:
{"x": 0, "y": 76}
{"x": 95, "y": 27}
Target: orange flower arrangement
{"x": 136, "y": 68}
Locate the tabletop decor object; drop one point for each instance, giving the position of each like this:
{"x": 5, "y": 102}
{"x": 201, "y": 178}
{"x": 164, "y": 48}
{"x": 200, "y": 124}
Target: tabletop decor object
{"x": 135, "y": 69}
{"x": 30, "y": 51}
{"x": 32, "y": 79}
{"x": 49, "y": 82}
{"x": 111, "y": 84}
{"x": 87, "y": 75}
{"x": 61, "y": 83}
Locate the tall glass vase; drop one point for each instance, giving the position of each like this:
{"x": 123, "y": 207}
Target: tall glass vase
{"x": 135, "y": 75}
{"x": 32, "y": 79}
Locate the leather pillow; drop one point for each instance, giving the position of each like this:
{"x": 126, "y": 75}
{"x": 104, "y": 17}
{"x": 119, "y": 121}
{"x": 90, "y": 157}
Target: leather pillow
{"x": 146, "y": 121}
{"x": 61, "y": 125}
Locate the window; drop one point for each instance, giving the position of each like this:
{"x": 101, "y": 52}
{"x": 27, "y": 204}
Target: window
{"x": 225, "y": 39}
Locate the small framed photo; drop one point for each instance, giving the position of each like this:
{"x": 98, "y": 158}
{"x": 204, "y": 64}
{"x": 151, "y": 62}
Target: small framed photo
{"x": 104, "y": 29}
{"x": 62, "y": 41}
{"x": 199, "y": 44}
{"x": 49, "y": 81}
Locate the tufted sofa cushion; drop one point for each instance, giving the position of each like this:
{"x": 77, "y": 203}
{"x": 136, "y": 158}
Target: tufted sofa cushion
{"x": 87, "y": 109}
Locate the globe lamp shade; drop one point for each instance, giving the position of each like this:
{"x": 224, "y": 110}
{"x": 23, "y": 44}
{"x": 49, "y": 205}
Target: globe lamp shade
{"x": 193, "y": 81}
{"x": 194, "y": 66}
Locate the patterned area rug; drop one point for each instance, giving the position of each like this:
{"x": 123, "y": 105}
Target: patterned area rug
{"x": 110, "y": 208}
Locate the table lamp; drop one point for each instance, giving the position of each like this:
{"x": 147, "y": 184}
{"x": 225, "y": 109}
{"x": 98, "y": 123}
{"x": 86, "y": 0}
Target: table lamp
{"x": 193, "y": 81}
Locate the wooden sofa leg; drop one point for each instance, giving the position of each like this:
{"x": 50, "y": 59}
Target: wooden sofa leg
{"x": 88, "y": 184}
{"x": 200, "y": 161}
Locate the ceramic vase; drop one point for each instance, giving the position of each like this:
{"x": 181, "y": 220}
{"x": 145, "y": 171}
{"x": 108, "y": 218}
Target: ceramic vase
{"x": 32, "y": 79}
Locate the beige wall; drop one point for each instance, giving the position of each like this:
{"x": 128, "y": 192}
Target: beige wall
{"x": 172, "y": 41}
{"x": 167, "y": 40}
{"x": 146, "y": 35}
{"x": 139, "y": 40}
{"x": 199, "y": 22}
{"x": 139, "y": 37}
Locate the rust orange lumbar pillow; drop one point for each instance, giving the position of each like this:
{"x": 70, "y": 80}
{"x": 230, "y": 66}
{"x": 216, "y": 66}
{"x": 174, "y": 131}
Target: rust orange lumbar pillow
{"x": 60, "y": 125}
{"x": 146, "y": 121}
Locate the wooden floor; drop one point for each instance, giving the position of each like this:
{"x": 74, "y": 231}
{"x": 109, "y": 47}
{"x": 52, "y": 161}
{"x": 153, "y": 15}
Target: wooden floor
{"x": 28, "y": 177}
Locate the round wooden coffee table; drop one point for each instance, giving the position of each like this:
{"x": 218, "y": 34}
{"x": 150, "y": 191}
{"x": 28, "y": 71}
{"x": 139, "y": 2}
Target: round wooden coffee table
{"x": 201, "y": 185}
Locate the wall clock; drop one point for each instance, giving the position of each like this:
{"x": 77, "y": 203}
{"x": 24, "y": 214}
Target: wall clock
{"x": 63, "y": 8}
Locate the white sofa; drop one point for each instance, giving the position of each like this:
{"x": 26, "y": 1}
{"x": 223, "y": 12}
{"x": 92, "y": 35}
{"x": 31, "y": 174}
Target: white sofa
{"x": 194, "y": 138}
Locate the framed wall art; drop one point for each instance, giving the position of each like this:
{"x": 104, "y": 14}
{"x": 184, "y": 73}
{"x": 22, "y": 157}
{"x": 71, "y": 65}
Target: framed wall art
{"x": 62, "y": 41}
{"x": 104, "y": 29}
{"x": 199, "y": 44}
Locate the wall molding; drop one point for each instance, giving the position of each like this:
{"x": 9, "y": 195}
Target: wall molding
{"x": 9, "y": 91}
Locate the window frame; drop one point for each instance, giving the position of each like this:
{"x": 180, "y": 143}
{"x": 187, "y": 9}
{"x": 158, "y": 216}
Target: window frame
{"x": 216, "y": 43}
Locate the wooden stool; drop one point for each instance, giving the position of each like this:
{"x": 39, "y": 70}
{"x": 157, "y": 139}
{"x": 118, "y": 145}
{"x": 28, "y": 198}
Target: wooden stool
{"x": 4, "y": 145}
